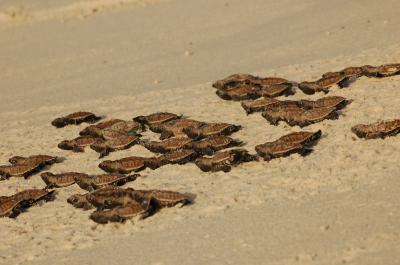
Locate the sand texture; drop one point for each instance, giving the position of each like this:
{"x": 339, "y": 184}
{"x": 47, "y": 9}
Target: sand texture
{"x": 338, "y": 205}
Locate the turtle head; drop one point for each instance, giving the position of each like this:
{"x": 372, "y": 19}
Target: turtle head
{"x": 107, "y": 165}
{"x": 66, "y": 145}
{"x": 59, "y": 122}
{"x": 15, "y": 159}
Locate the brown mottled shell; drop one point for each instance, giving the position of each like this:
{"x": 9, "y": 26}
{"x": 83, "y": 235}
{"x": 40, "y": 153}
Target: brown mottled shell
{"x": 35, "y": 195}
{"x": 75, "y": 118}
{"x": 90, "y": 183}
{"x": 274, "y": 114}
{"x": 60, "y": 180}
{"x": 380, "y": 129}
{"x": 18, "y": 170}
{"x": 109, "y": 134}
{"x": 35, "y": 159}
{"x": 167, "y": 145}
{"x": 239, "y": 93}
{"x": 212, "y": 144}
{"x": 315, "y": 115}
{"x": 327, "y": 82}
{"x": 157, "y": 118}
{"x": 389, "y": 70}
{"x": 224, "y": 160}
{"x": 233, "y": 81}
{"x": 210, "y": 129}
{"x": 110, "y": 198}
{"x": 126, "y": 127}
{"x": 11, "y": 207}
{"x": 270, "y": 81}
{"x": 325, "y": 102}
{"x": 124, "y": 165}
{"x": 96, "y": 130}
{"x": 175, "y": 127}
{"x": 179, "y": 156}
{"x": 78, "y": 143}
{"x": 353, "y": 71}
{"x": 121, "y": 213}
{"x": 251, "y": 106}
{"x": 275, "y": 90}
{"x": 297, "y": 142}
{"x": 164, "y": 198}
{"x": 119, "y": 143}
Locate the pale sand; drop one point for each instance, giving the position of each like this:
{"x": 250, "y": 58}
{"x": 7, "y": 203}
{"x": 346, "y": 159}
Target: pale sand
{"x": 338, "y": 205}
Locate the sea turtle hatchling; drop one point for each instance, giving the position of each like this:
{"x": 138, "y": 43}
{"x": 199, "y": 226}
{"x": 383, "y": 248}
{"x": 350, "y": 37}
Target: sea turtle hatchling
{"x": 210, "y": 129}
{"x": 233, "y": 81}
{"x": 273, "y": 91}
{"x": 35, "y": 159}
{"x": 19, "y": 170}
{"x": 297, "y": 142}
{"x": 12, "y": 207}
{"x": 81, "y": 201}
{"x": 167, "y": 145}
{"x": 123, "y": 127}
{"x": 60, "y": 180}
{"x": 110, "y": 198}
{"x": 239, "y": 93}
{"x": 323, "y": 84}
{"x": 96, "y": 129}
{"x": 212, "y": 144}
{"x": 181, "y": 156}
{"x": 78, "y": 144}
{"x": 75, "y": 118}
{"x": 325, "y": 102}
{"x": 124, "y": 165}
{"x": 224, "y": 160}
{"x": 122, "y": 213}
{"x": 380, "y": 129}
{"x": 157, "y": 118}
{"x": 35, "y": 195}
{"x": 352, "y": 72}
{"x": 164, "y": 198}
{"x": 104, "y": 147}
{"x": 91, "y": 183}
{"x": 385, "y": 70}
{"x": 251, "y": 106}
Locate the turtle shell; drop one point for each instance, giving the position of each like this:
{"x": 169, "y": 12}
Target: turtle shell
{"x": 380, "y": 129}
{"x": 95, "y": 130}
{"x": 90, "y": 183}
{"x": 210, "y": 129}
{"x": 212, "y": 144}
{"x": 121, "y": 213}
{"x": 325, "y": 102}
{"x": 251, "y": 106}
{"x": 314, "y": 115}
{"x": 282, "y": 113}
{"x": 278, "y": 149}
{"x": 175, "y": 127}
{"x": 157, "y": 118}
{"x": 388, "y": 70}
{"x": 35, "y": 159}
{"x": 224, "y": 160}
{"x": 18, "y": 170}
{"x": 119, "y": 143}
{"x": 110, "y": 198}
{"x": 60, "y": 180}
{"x": 78, "y": 143}
{"x": 12, "y": 207}
{"x": 164, "y": 198}
{"x": 167, "y": 145}
{"x": 302, "y": 137}
{"x": 275, "y": 90}
{"x": 270, "y": 81}
{"x": 126, "y": 127}
{"x": 124, "y": 165}
{"x": 35, "y": 195}
{"x": 234, "y": 81}
{"x": 179, "y": 156}
{"x": 75, "y": 118}
{"x": 239, "y": 93}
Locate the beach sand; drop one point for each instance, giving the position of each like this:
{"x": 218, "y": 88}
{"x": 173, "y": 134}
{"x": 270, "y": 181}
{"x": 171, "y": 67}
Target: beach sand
{"x": 338, "y": 205}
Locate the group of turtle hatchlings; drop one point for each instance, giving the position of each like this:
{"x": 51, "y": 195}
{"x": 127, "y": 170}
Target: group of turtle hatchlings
{"x": 184, "y": 140}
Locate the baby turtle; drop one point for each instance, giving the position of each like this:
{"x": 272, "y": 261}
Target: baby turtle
{"x": 352, "y": 72}
{"x": 124, "y": 165}
{"x": 298, "y": 116}
{"x": 60, "y": 180}
{"x": 180, "y": 157}
{"x": 298, "y": 142}
{"x": 224, "y": 160}
{"x": 380, "y": 129}
{"x": 381, "y": 71}
{"x": 122, "y": 213}
{"x": 157, "y": 118}
{"x": 234, "y": 81}
{"x": 167, "y": 145}
{"x": 75, "y": 118}
{"x": 175, "y": 127}
{"x": 96, "y": 130}
{"x": 119, "y": 143}
{"x": 110, "y": 198}
{"x": 123, "y": 127}
{"x": 251, "y": 106}
{"x": 78, "y": 144}
{"x": 273, "y": 91}
{"x": 212, "y": 144}
{"x": 239, "y": 93}
{"x": 19, "y": 170}
{"x": 210, "y": 129}
{"x": 325, "y": 102}
{"x": 35, "y": 195}
{"x": 35, "y": 159}
{"x": 80, "y": 201}
{"x": 323, "y": 84}
{"x": 91, "y": 183}
{"x": 12, "y": 207}
{"x": 164, "y": 198}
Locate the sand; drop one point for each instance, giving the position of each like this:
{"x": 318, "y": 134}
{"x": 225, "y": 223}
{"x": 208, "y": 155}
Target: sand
{"x": 339, "y": 205}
